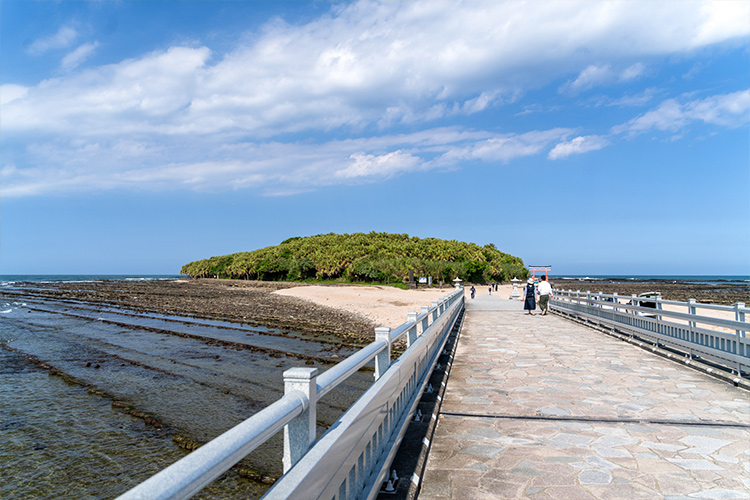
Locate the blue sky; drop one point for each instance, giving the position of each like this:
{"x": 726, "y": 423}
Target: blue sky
{"x": 596, "y": 137}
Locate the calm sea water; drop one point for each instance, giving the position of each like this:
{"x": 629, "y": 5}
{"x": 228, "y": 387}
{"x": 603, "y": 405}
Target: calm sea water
{"x": 67, "y": 441}
{"x": 708, "y": 279}
{"x": 11, "y": 278}
{"x": 50, "y": 278}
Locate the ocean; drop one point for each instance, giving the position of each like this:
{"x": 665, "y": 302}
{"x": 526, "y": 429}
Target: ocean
{"x": 7, "y": 279}
{"x": 700, "y": 279}
{"x": 92, "y": 397}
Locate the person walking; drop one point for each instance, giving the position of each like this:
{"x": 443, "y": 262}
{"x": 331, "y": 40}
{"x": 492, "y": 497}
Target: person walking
{"x": 529, "y": 293}
{"x": 545, "y": 292}
{"x": 473, "y": 291}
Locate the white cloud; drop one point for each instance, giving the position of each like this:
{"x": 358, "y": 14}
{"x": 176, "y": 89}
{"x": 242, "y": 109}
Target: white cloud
{"x": 639, "y": 99}
{"x": 178, "y": 116}
{"x": 578, "y": 145}
{"x": 64, "y": 37}
{"x": 632, "y": 72}
{"x": 727, "y": 110}
{"x": 594, "y": 76}
{"x": 504, "y": 147}
{"x": 78, "y": 56}
{"x": 383, "y": 166}
{"x": 590, "y": 77}
{"x": 10, "y": 92}
{"x": 269, "y": 167}
{"x": 368, "y": 63}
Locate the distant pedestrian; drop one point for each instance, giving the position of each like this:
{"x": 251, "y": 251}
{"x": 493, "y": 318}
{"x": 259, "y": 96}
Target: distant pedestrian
{"x": 529, "y": 293}
{"x": 545, "y": 292}
{"x": 490, "y": 289}
{"x": 473, "y": 291}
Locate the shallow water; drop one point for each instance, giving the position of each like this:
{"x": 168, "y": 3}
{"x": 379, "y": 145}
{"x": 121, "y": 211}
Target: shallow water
{"x": 59, "y": 440}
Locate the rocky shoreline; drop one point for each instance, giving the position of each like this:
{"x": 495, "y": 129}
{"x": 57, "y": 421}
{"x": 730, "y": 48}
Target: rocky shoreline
{"x": 726, "y": 293}
{"x": 246, "y": 302}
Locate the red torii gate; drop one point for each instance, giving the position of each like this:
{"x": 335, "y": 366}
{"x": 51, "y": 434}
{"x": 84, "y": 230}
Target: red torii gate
{"x": 534, "y": 269}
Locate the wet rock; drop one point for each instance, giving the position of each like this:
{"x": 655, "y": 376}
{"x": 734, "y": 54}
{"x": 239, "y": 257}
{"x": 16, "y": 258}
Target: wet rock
{"x": 153, "y": 422}
{"x": 186, "y": 443}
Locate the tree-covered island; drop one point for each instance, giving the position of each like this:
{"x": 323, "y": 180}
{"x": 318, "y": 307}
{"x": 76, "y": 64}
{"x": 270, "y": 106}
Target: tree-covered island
{"x": 365, "y": 258}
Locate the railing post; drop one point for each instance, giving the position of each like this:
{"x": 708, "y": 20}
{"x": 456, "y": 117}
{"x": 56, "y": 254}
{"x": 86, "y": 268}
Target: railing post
{"x": 299, "y": 434}
{"x": 435, "y": 310}
{"x": 383, "y": 359}
{"x": 411, "y": 335}
{"x": 692, "y": 311}
{"x": 739, "y": 315}
{"x": 426, "y": 320}
{"x": 658, "y": 316}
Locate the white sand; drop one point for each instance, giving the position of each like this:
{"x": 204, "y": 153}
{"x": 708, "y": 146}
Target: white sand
{"x": 384, "y": 305}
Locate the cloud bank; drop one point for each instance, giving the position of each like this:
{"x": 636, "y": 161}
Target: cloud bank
{"x": 271, "y": 113}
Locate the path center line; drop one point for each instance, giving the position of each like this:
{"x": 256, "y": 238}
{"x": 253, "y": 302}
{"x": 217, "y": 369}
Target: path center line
{"x": 618, "y": 420}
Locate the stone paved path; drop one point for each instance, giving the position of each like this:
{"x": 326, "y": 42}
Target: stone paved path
{"x": 538, "y": 407}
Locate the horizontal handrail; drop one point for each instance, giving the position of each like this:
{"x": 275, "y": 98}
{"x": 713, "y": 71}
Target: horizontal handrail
{"x": 689, "y": 332}
{"x": 703, "y": 305}
{"x": 189, "y": 475}
{"x": 332, "y": 377}
{"x": 399, "y": 331}
{"x": 594, "y": 299}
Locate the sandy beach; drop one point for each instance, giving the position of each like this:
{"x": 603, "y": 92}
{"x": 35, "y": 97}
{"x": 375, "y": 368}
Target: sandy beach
{"x": 381, "y": 305}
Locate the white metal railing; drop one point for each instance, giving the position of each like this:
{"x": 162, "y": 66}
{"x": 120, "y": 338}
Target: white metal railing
{"x": 351, "y": 459}
{"x": 720, "y": 340}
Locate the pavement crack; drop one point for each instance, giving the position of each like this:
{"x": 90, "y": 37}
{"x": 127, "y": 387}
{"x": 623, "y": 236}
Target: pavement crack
{"x": 611, "y": 420}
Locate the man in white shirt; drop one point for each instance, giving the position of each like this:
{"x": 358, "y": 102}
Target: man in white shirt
{"x": 545, "y": 292}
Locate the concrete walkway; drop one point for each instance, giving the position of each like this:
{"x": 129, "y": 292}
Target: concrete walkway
{"x": 539, "y": 407}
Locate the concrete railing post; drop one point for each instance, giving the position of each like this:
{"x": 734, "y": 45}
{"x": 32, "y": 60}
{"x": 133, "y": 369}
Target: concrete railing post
{"x": 411, "y": 335}
{"x": 299, "y": 434}
{"x": 691, "y": 311}
{"x": 426, "y": 320}
{"x": 658, "y": 316}
{"x": 435, "y": 310}
{"x": 383, "y": 358}
{"x": 739, "y": 315}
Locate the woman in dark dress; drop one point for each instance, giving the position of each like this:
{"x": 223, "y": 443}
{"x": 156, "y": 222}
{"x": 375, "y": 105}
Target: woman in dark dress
{"x": 529, "y": 294}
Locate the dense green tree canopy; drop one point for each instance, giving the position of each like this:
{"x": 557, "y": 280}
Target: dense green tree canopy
{"x": 360, "y": 257}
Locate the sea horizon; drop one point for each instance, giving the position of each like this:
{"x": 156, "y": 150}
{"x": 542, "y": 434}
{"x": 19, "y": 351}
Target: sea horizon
{"x": 6, "y": 279}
